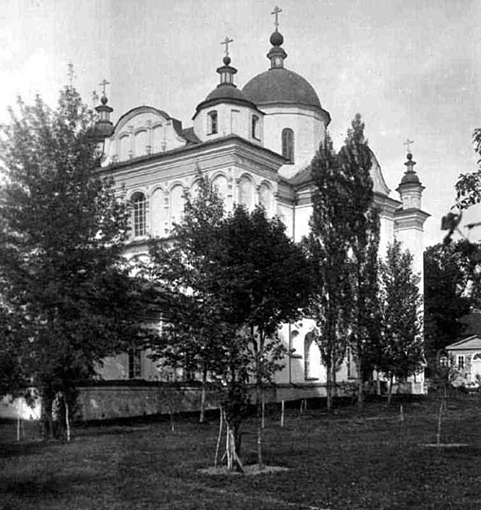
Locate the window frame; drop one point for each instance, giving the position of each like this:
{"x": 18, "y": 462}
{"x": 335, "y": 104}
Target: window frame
{"x": 139, "y": 214}
{"x": 134, "y": 363}
{"x": 255, "y": 127}
{"x": 213, "y": 123}
{"x": 461, "y": 361}
{"x": 287, "y": 145}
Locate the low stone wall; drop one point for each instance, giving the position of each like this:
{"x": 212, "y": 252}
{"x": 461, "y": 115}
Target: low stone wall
{"x": 107, "y": 401}
{"x": 110, "y": 402}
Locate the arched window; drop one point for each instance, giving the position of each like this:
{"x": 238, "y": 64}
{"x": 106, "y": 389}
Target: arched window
{"x": 220, "y": 185}
{"x": 124, "y": 148}
{"x": 176, "y": 203}
{"x": 288, "y": 144}
{"x": 265, "y": 197}
{"x": 140, "y": 141}
{"x": 255, "y": 127}
{"x": 139, "y": 214}
{"x": 158, "y": 139}
{"x": 157, "y": 213}
{"x": 213, "y": 127}
{"x": 312, "y": 357}
{"x": 246, "y": 192}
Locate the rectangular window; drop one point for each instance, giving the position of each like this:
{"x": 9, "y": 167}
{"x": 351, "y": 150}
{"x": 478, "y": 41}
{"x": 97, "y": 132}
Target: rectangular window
{"x": 212, "y": 123}
{"x": 135, "y": 364}
{"x": 139, "y": 214}
{"x": 255, "y": 127}
{"x": 460, "y": 362}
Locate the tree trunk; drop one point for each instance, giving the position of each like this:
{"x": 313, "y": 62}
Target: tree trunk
{"x": 259, "y": 421}
{"x": 219, "y": 437}
{"x": 440, "y": 418}
{"x": 360, "y": 385}
{"x": 378, "y": 383}
{"x": 232, "y": 447}
{"x": 389, "y": 395}
{"x": 329, "y": 387}
{"x": 46, "y": 418}
{"x": 203, "y": 395}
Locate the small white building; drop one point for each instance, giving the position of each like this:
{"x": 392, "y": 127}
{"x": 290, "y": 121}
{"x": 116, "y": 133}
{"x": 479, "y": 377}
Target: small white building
{"x": 465, "y": 357}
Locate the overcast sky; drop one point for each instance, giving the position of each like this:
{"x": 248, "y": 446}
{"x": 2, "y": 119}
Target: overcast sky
{"x": 412, "y": 68}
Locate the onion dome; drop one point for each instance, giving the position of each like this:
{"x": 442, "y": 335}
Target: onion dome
{"x": 410, "y": 176}
{"x": 104, "y": 127}
{"x": 279, "y": 85}
{"x": 226, "y": 90}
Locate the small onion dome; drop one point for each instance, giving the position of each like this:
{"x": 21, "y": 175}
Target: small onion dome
{"x": 104, "y": 127}
{"x": 277, "y": 39}
{"x": 410, "y": 177}
{"x": 226, "y": 90}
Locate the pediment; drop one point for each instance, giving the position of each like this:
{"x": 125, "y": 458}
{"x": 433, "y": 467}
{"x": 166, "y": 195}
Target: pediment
{"x": 470, "y": 343}
{"x": 143, "y": 131}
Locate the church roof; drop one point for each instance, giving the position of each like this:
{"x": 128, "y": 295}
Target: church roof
{"x": 190, "y": 136}
{"x": 280, "y": 85}
{"x": 470, "y": 343}
{"x": 226, "y": 91}
{"x": 304, "y": 175}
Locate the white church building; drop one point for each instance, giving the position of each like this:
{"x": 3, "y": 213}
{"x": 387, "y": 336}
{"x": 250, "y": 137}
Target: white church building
{"x": 255, "y": 142}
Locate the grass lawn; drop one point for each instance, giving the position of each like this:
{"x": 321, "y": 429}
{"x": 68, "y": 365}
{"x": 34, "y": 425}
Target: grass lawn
{"x": 345, "y": 461}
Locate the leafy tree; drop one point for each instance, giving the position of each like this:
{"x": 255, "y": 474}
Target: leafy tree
{"x": 451, "y": 288}
{"x": 269, "y": 287}
{"x": 232, "y": 280}
{"x": 327, "y": 244}
{"x": 468, "y": 185}
{"x": 402, "y": 343}
{"x": 66, "y": 292}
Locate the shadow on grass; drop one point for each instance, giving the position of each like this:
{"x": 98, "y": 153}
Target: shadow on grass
{"x": 24, "y": 448}
{"x": 33, "y": 488}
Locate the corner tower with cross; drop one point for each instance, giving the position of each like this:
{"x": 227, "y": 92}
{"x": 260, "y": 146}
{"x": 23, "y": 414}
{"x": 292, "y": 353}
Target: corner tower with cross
{"x": 104, "y": 126}
{"x": 410, "y": 218}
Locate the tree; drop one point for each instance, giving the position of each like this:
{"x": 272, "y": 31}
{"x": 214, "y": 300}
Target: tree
{"x": 402, "y": 344}
{"x": 232, "y": 280}
{"x": 328, "y": 247}
{"x": 363, "y": 223}
{"x": 451, "y": 289}
{"x": 468, "y": 185}
{"x": 270, "y": 286}
{"x": 66, "y": 292}
{"x": 343, "y": 246}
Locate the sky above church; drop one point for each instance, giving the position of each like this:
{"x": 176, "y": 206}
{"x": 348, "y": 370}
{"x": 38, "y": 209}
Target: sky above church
{"x": 410, "y": 67}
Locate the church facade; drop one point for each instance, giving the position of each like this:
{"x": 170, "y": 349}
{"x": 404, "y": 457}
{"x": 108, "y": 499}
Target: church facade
{"x": 256, "y": 144}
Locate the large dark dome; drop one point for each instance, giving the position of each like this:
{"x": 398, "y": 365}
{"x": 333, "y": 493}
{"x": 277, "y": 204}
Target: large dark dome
{"x": 279, "y": 85}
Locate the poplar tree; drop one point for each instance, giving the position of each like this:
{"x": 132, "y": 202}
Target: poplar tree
{"x": 402, "y": 343}
{"x": 343, "y": 245}
{"x": 355, "y": 158}
{"x": 66, "y": 296}
{"x": 330, "y": 302}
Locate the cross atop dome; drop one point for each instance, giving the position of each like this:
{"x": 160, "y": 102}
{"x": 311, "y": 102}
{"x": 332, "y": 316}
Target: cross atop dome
{"x": 408, "y": 143}
{"x": 226, "y": 71}
{"x": 276, "y": 54}
{"x": 226, "y": 43}
{"x": 276, "y": 12}
{"x": 103, "y": 84}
